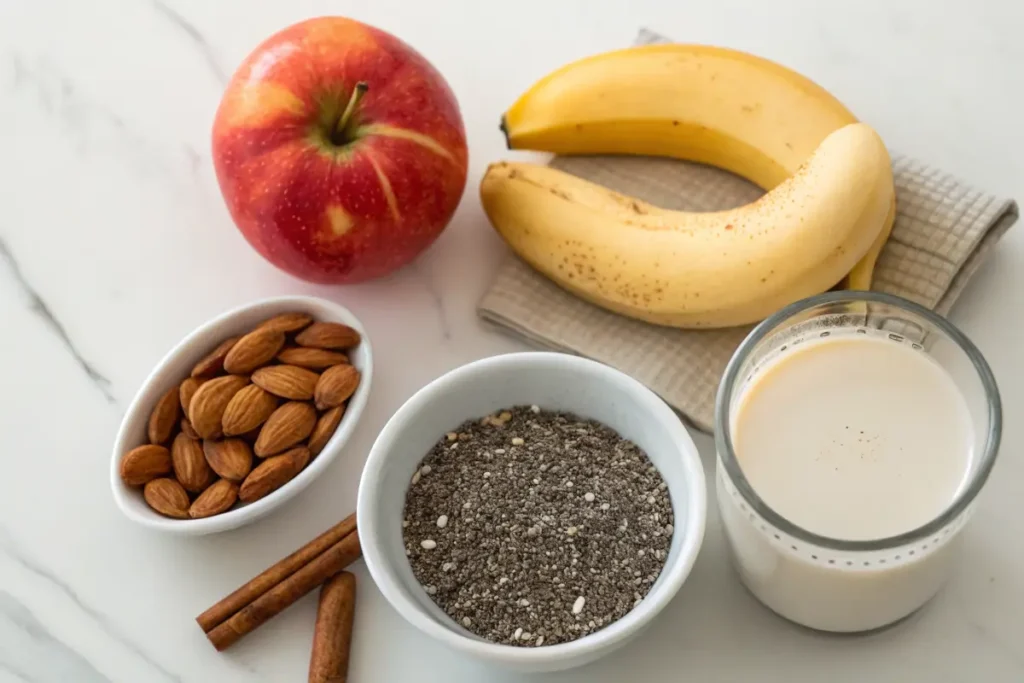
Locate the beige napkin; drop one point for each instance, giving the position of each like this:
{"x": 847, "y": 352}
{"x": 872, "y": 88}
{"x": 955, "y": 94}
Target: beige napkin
{"x": 942, "y": 233}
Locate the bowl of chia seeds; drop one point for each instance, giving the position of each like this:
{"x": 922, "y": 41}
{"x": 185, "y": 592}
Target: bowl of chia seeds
{"x": 534, "y": 510}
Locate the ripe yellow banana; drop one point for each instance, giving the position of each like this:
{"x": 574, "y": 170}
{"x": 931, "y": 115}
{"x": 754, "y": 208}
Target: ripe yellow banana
{"x": 687, "y": 269}
{"x": 712, "y": 105}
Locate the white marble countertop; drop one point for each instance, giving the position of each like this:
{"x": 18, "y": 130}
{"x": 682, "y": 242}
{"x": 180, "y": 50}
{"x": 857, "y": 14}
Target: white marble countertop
{"x": 109, "y": 200}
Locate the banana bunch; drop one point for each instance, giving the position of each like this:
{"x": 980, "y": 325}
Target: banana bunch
{"x": 828, "y": 210}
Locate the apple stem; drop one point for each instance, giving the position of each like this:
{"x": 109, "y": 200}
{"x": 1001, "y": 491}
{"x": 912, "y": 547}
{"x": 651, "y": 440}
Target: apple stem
{"x": 350, "y": 108}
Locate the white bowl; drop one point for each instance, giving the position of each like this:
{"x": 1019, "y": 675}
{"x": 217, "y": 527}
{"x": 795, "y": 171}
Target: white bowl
{"x": 177, "y": 364}
{"x": 553, "y": 381}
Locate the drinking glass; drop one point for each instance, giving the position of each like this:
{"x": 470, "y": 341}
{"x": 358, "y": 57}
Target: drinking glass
{"x": 833, "y": 584}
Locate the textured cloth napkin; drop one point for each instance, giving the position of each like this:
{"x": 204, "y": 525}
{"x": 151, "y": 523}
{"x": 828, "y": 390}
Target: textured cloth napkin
{"x": 942, "y": 233}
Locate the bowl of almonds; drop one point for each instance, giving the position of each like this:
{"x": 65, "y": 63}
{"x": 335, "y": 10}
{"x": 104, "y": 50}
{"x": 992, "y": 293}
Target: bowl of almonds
{"x": 241, "y": 415}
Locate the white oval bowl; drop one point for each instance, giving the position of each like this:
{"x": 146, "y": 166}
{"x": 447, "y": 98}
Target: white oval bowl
{"x": 177, "y": 364}
{"x": 553, "y": 381}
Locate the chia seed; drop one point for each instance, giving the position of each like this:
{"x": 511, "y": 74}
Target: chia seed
{"x": 525, "y": 559}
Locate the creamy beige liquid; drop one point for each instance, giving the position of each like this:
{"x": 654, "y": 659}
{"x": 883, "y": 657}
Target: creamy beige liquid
{"x": 854, "y": 437}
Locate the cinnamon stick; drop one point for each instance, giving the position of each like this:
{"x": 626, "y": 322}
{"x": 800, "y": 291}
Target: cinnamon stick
{"x": 223, "y": 610}
{"x": 332, "y": 638}
{"x": 219, "y": 612}
{"x": 284, "y": 594}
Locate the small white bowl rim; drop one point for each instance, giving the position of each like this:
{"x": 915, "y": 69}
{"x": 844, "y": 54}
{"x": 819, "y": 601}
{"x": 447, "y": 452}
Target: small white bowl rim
{"x": 656, "y": 600}
{"x": 253, "y": 511}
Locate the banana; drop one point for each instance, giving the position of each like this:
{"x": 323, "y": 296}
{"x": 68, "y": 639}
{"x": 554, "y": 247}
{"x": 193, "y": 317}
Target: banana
{"x": 711, "y": 105}
{"x": 686, "y": 269}
{"x": 863, "y": 272}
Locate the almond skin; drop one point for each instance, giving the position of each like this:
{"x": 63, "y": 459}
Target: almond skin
{"x": 218, "y": 498}
{"x": 190, "y": 466}
{"x": 167, "y": 497}
{"x": 287, "y": 426}
{"x": 273, "y": 473}
{"x": 324, "y": 429}
{"x": 213, "y": 363}
{"x": 231, "y": 459}
{"x": 164, "y": 417}
{"x": 335, "y": 386}
{"x": 247, "y": 410}
{"x": 145, "y": 463}
{"x": 328, "y": 336}
{"x": 187, "y": 391}
{"x": 211, "y": 399}
{"x": 253, "y": 350}
{"x": 188, "y": 430}
{"x": 286, "y": 322}
{"x": 287, "y": 381}
{"x": 311, "y": 359}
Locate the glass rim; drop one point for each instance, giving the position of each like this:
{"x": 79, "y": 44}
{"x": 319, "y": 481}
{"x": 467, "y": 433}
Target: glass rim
{"x": 727, "y": 455}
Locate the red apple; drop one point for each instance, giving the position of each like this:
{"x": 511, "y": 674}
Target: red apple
{"x": 339, "y": 150}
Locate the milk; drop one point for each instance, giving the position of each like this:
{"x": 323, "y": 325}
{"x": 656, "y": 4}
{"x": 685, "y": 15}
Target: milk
{"x": 853, "y": 437}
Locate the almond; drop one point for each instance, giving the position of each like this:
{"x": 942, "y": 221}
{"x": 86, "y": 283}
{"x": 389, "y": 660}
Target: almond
{"x": 328, "y": 336}
{"x": 253, "y": 350}
{"x": 247, "y": 410}
{"x": 335, "y": 386}
{"x": 190, "y": 466}
{"x": 287, "y": 426}
{"x": 213, "y": 363}
{"x": 324, "y": 429}
{"x": 167, "y": 497}
{"x": 273, "y": 473}
{"x": 207, "y": 406}
{"x": 145, "y": 463}
{"x": 231, "y": 459}
{"x": 188, "y": 430}
{"x": 313, "y": 359}
{"x": 300, "y": 457}
{"x": 286, "y": 322}
{"x": 287, "y": 381}
{"x": 218, "y": 498}
{"x": 164, "y": 417}
{"x": 188, "y": 390}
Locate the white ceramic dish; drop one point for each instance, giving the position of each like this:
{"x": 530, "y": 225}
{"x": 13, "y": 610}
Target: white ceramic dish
{"x": 552, "y": 381}
{"x": 177, "y": 364}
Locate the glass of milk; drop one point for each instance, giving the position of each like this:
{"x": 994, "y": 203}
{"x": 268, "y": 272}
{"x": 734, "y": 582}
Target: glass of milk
{"x": 854, "y": 432}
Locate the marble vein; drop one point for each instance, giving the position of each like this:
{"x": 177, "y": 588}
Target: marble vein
{"x": 995, "y": 641}
{"x": 195, "y": 162}
{"x": 43, "y": 311}
{"x": 437, "y": 301}
{"x": 16, "y": 674}
{"x": 42, "y": 657}
{"x": 90, "y": 124}
{"x": 13, "y": 552}
{"x": 196, "y": 37}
